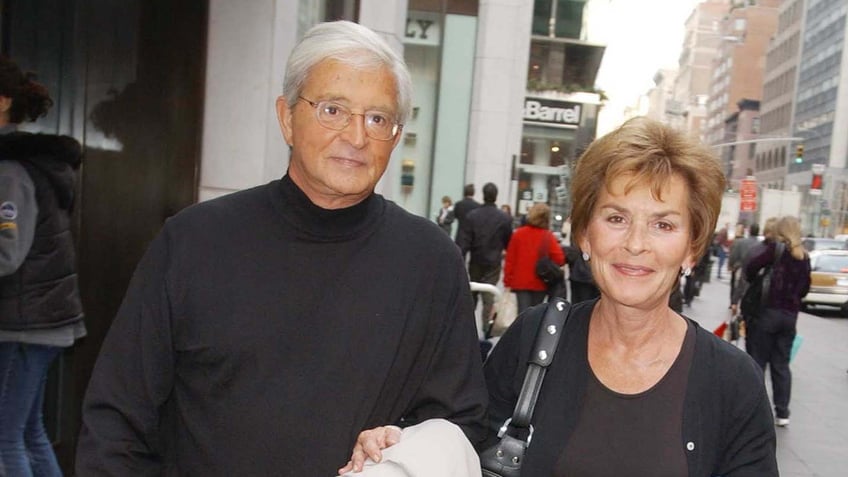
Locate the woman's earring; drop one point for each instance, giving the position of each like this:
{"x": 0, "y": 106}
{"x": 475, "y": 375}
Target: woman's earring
{"x": 687, "y": 271}
{"x": 586, "y": 256}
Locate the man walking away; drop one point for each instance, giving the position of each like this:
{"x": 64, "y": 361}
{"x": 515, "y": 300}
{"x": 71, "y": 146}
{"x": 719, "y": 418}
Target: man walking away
{"x": 485, "y": 233}
{"x": 464, "y": 206}
{"x": 739, "y": 250}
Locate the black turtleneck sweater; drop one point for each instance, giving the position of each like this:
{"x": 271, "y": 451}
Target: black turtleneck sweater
{"x": 261, "y": 333}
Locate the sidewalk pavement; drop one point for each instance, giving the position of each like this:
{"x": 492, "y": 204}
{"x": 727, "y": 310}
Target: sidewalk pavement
{"x": 816, "y": 441}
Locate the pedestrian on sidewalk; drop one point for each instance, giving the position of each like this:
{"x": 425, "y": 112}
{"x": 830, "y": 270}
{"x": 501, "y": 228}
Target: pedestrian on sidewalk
{"x": 40, "y": 307}
{"x": 484, "y": 234}
{"x": 722, "y": 245}
{"x": 464, "y": 206}
{"x": 738, "y": 253}
{"x": 770, "y": 334}
{"x": 529, "y": 242}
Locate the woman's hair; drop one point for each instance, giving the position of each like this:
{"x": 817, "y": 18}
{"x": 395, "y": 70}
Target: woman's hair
{"x": 353, "y": 45}
{"x": 788, "y": 231}
{"x": 651, "y": 153}
{"x": 539, "y": 215}
{"x": 29, "y": 99}
{"x": 769, "y": 228}
{"x": 447, "y": 199}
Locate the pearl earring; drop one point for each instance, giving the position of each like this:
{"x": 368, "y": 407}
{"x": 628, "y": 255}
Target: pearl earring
{"x": 687, "y": 271}
{"x": 586, "y": 256}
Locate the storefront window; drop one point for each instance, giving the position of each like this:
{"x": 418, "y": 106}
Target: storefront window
{"x": 547, "y": 157}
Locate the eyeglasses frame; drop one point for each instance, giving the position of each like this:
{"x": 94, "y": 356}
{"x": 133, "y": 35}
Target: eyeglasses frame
{"x": 314, "y": 104}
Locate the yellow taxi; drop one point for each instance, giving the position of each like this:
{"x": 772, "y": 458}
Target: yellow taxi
{"x": 828, "y": 279}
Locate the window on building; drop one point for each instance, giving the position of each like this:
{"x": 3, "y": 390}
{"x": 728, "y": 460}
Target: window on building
{"x": 542, "y": 17}
{"x": 559, "y": 18}
{"x": 341, "y": 10}
{"x": 557, "y": 63}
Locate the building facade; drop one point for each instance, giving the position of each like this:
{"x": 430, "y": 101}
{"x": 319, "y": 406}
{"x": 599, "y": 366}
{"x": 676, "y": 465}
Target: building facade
{"x": 821, "y": 116}
{"x": 779, "y": 88}
{"x": 738, "y": 68}
{"x": 560, "y": 105}
{"x": 701, "y": 42}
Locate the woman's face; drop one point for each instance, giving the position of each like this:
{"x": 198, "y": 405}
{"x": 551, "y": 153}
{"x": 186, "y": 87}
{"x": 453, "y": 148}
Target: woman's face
{"x": 637, "y": 243}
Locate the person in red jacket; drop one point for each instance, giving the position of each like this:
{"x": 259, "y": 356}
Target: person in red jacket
{"x": 528, "y": 243}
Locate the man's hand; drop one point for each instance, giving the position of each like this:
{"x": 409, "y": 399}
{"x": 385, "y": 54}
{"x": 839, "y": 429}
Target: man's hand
{"x": 368, "y": 446}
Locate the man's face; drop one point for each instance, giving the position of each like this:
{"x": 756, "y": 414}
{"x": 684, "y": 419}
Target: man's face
{"x": 337, "y": 169}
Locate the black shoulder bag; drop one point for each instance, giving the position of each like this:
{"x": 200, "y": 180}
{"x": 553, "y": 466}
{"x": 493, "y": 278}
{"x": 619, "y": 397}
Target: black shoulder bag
{"x": 546, "y": 269}
{"x": 504, "y": 459}
{"x": 757, "y": 293}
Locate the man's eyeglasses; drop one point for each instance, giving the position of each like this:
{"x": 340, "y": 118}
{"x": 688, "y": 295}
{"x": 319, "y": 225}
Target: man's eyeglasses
{"x": 332, "y": 115}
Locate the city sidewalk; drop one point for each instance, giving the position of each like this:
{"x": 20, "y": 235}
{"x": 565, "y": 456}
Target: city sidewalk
{"x": 816, "y": 441}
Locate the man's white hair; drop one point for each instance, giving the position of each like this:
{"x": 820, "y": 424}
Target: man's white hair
{"x": 351, "y": 44}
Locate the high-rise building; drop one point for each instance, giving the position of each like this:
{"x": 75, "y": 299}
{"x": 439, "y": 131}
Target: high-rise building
{"x": 821, "y": 116}
{"x": 779, "y": 85}
{"x": 702, "y": 40}
{"x": 737, "y": 75}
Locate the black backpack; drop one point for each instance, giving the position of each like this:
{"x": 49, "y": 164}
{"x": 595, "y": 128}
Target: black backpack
{"x": 756, "y": 296}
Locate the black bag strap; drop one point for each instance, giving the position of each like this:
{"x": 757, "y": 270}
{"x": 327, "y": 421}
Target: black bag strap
{"x": 779, "y": 248}
{"x": 543, "y": 245}
{"x": 544, "y": 347}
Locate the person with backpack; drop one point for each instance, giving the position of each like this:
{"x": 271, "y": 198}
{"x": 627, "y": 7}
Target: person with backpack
{"x": 771, "y": 332}
{"x": 40, "y": 307}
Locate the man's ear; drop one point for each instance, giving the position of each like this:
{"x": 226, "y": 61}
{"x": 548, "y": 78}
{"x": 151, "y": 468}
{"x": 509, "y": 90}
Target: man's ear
{"x": 397, "y": 137}
{"x": 284, "y": 117}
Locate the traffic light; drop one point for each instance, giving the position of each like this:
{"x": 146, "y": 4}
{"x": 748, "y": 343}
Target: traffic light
{"x": 799, "y": 154}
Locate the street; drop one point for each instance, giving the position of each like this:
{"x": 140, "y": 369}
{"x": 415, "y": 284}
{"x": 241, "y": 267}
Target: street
{"x": 816, "y": 441}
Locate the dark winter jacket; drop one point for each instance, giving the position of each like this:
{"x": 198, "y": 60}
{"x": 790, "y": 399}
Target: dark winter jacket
{"x": 485, "y": 233}
{"x": 43, "y": 292}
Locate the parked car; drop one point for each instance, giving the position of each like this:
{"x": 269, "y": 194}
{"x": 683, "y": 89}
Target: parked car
{"x": 828, "y": 279}
{"x": 823, "y": 243}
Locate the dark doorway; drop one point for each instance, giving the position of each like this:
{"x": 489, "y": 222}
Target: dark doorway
{"x": 127, "y": 80}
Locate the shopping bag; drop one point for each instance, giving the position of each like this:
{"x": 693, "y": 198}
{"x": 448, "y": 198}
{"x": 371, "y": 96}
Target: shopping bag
{"x": 796, "y": 345}
{"x": 719, "y": 331}
{"x": 506, "y": 309}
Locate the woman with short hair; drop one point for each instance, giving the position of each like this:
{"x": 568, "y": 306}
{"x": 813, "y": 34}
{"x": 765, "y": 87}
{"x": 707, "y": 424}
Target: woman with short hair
{"x": 635, "y": 388}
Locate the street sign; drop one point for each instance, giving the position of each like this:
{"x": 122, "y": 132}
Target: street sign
{"x": 748, "y": 195}
{"x": 816, "y": 186}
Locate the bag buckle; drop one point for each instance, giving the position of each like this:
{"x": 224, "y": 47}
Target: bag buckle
{"x": 505, "y": 427}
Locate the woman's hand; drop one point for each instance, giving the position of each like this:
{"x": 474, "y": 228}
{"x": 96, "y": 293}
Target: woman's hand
{"x": 369, "y": 444}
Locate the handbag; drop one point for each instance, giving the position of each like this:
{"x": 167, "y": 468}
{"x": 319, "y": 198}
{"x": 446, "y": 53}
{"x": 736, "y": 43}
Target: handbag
{"x": 756, "y": 295}
{"x": 505, "y": 458}
{"x": 547, "y": 271}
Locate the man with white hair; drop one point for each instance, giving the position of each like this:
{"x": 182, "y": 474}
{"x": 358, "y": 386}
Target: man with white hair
{"x": 266, "y": 331}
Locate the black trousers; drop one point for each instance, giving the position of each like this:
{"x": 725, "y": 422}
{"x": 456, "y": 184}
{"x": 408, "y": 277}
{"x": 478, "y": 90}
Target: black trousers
{"x": 524, "y": 299}
{"x": 769, "y": 341}
{"x": 490, "y": 274}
